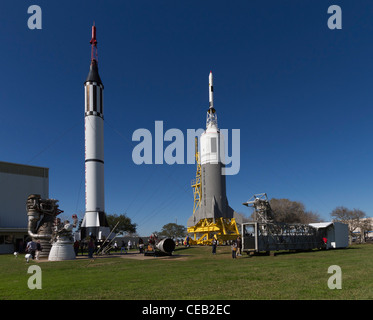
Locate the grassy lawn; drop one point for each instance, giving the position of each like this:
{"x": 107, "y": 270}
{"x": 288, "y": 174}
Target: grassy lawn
{"x": 194, "y": 273}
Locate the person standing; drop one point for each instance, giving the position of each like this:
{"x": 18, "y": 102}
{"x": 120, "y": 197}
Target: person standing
{"x": 91, "y": 248}
{"x": 239, "y": 246}
{"x": 141, "y": 245}
{"x": 123, "y": 247}
{"x": 214, "y": 244}
{"x": 234, "y": 249}
{"x": 76, "y": 247}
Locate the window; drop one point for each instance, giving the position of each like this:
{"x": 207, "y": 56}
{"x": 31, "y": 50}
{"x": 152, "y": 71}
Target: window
{"x": 9, "y": 239}
{"x": 213, "y": 145}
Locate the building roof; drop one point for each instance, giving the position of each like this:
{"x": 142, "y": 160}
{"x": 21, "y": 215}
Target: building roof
{"x": 13, "y": 230}
{"x": 321, "y": 224}
{"x": 21, "y": 169}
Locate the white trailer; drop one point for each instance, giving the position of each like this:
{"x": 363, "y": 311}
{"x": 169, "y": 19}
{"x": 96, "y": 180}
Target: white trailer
{"x": 336, "y": 233}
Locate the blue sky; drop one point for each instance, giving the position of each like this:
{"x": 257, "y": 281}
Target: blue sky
{"x": 300, "y": 93}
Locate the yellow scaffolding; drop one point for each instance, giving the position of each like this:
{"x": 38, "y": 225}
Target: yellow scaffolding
{"x": 205, "y": 230}
{"x": 196, "y": 184}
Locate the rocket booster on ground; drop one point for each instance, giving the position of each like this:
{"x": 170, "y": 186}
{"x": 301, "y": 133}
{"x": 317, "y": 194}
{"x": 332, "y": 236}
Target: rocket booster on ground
{"x": 95, "y": 219}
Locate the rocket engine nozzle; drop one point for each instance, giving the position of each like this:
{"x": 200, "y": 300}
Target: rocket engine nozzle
{"x": 166, "y": 245}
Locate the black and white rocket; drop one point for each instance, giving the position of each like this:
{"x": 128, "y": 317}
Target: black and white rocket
{"x": 214, "y": 203}
{"x": 94, "y": 222}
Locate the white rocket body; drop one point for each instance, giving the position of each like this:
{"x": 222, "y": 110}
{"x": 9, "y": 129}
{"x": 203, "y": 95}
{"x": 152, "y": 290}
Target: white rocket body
{"x": 214, "y": 203}
{"x": 211, "y": 141}
{"x": 212, "y": 146}
{"x": 94, "y": 222}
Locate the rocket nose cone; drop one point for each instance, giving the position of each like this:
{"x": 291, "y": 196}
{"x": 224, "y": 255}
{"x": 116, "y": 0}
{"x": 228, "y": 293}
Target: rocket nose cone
{"x": 93, "y": 73}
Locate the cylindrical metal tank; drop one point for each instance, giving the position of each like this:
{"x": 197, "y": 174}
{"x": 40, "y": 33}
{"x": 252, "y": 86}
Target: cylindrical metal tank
{"x": 166, "y": 245}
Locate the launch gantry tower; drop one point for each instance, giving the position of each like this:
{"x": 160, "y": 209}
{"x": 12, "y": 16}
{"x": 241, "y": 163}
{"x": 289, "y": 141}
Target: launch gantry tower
{"x": 196, "y": 184}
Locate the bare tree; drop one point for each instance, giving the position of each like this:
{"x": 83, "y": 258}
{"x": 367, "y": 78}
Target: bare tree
{"x": 350, "y": 217}
{"x": 285, "y": 210}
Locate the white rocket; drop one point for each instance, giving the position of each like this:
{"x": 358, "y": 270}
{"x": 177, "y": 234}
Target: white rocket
{"x": 214, "y": 203}
{"x": 94, "y": 222}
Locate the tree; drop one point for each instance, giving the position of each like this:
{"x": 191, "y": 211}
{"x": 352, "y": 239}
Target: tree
{"x": 350, "y": 217}
{"x": 172, "y": 230}
{"x": 287, "y": 211}
{"x": 366, "y": 226}
{"x": 124, "y": 225}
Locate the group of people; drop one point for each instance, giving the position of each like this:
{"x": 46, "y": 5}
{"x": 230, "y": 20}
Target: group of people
{"x": 34, "y": 247}
{"x": 236, "y": 246}
{"x": 181, "y": 242}
{"x": 91, "y": 246}
{"x": 130, "y": 245}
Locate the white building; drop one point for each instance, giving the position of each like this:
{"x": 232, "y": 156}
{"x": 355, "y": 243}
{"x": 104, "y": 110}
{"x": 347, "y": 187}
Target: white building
{"x": 17, "y": 182}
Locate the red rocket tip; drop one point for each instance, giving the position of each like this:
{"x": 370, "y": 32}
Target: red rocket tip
{"x": 93, "y": 42}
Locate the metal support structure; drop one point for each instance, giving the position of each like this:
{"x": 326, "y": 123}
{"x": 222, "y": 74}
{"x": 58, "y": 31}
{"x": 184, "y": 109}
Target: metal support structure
{"x": 264, "y": 234}
{"x": 263, "y": 210}
{"x": 196, "y": 184}
{"x": 106, "y": 249}
{"x": 222, "y": 229}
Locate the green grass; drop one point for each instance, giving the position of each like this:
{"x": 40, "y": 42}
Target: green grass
{"x": 195, "y": 273}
